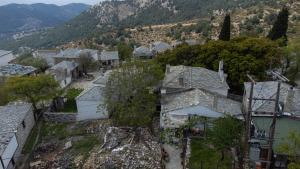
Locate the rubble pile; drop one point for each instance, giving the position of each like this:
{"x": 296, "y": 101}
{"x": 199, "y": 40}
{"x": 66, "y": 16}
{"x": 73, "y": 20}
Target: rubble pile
{"x": 121, "y": 149}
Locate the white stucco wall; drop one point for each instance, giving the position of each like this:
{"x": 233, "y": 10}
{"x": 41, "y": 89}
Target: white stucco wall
{"x": 89, "y": 110}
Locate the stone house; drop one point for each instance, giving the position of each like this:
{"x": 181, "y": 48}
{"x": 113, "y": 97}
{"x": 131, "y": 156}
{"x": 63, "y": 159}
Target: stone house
{"x": 16, "y": 122}
{"x": 109, "y": 58}
{"x": 73, "y": 54}
{"x": 159, "y": 47}
{"x": 287, "y": 119}
{"x": 186, "y": 77}
{"x": 64, "y": 72}
{"x": 195, "y": 91}
{"x": 142, "y": 52}
{"x": 90, "y": 101}
{"x": 48, "y": 55}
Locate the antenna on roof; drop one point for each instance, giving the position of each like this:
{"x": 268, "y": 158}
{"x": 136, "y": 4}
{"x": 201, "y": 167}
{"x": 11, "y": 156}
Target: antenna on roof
{"x": 279, "y": 76}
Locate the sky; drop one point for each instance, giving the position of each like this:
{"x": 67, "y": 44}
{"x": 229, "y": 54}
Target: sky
{"x": 57, "y": 2}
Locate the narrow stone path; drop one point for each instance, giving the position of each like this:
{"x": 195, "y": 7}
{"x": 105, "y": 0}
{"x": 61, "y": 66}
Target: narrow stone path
{"x": 174, "y": 156}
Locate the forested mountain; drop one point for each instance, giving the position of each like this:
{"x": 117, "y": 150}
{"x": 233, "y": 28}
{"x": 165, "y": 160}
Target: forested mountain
{"x": 15, "y": 18}
{"x": 115, "y": 15}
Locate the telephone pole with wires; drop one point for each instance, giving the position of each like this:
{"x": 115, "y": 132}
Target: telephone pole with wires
{"x": 280, "y": 78}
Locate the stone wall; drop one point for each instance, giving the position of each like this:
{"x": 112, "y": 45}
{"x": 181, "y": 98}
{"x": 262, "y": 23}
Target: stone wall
{"x": 60, "y": 117}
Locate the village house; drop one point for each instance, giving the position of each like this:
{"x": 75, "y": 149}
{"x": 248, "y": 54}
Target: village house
{"x": 16, "y": 70}
{"x": 16, "y": 122}
{"x": 6, "y": 57}
{"x": 188, "y": 91}
{"x": 48, "y": 55}
{"x": 109, "y": 59}
{"x": 142, "y": 52}
{"x": 186, "y": 77}
{"x": 159, "y": 47}
{"x": 90, "y": 101}
{"x": 64, "y": 72}
{"x": 287, "y": 119}
{"x": 73, "y": 54}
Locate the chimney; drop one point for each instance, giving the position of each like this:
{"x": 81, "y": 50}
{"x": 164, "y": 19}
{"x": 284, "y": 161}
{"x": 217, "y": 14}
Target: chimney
{"x": 289, "y": 100}
{"x": 168, "y": 68}
{"x": 221, "y": 71}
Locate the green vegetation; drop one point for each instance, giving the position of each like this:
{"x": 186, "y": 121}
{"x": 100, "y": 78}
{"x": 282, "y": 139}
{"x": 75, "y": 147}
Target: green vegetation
{"x": 291, "y": 147}
{"x": 203, "y": 155}
{"x": 27, "y": 59}
{"x": 280, "y": 27}
{"x": 128, "y": 97}
{"x": 60, "y": 131}
{"x": 125, "y": 51}
{"x": 214, "y": 151}
{"x": 240, "y": 55}
{"x": 85, "y": 145}
{"x": 70, "y": 104}
{"x": 225, "y": 31}
{"x": 32, "y": 88}
{"x": 31, "y": 140}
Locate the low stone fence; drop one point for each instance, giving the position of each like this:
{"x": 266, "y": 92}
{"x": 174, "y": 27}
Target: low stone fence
{"x": 60, "y": 117}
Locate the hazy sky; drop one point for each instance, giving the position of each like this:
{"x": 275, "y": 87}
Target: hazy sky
{"x": 58, "y": 2}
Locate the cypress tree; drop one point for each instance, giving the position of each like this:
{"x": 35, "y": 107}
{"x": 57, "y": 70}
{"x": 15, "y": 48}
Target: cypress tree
{"x": 280, "y": 26}
{"x": 225, "y": 31}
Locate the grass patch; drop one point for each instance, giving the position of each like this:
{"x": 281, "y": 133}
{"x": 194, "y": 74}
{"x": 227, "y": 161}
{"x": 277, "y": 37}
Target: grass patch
{"x": 28, "y": 147}
{"x": 61, "y": 130}
{"x": 203, "y": 155}
{"x": 85, "y": 145}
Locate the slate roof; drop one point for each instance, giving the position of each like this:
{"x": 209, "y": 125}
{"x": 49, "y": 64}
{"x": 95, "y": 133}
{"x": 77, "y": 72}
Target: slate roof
{"x": 11, "y": 116}
{"x": 48, "y": 55}
{"x": 194, "y": 77}
{"x": 4, "y": 52}
{"x": 65, "y": 65}
{"x": 160, "y": 47}
{"x": 91, "y": 94}
{"x": 15, "y": 69}
{"x": 197, "y": 102}
{"x": 74, "y": 52}
{"x": 142, "y": 51}
{"x": 288, "y": 96}
{"x": 109, "y": 55}
{"x": 102, "y": 79}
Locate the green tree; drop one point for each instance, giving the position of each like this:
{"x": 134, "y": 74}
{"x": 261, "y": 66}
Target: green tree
{"x": 240, "y": 56}
{"x": 225, "y": 31}
{"x": 87, "y": 63}
{"x": 32, "y": 88}
{"x": 27, "y": 59}
{"x": 128, "y": 97}
{"x": 3, "y": 96}
{"x": 125, "y": 51}
{"x": 226, "y": 134}
{"x": 280, "y": 26}
{"x": 291, "y": 147}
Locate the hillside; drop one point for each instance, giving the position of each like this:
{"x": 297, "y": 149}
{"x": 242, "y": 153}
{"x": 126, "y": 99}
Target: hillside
{"x": 106, "y": 21}
{"x": 21, "y": 18}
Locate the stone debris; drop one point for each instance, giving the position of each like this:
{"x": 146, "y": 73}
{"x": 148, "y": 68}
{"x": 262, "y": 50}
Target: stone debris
{"x": 68, "y": 145}
{"x": 123, "y": 149}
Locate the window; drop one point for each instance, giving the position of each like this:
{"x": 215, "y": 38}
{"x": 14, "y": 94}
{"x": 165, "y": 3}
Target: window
{"x": 23, "y": 124}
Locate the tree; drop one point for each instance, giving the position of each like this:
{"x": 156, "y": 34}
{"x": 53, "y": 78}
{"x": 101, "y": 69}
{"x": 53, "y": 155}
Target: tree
{"x": 32, "y": 88}
{"x": 280, "y": 26}
{"x": 128, "y": 97}
{"x": 27, "y": 59}
{"x": 291, "y": 147}
{"x": 125, "y": 51}
{"x": 225, "y": 31}
{"x": 86, "y": 62}
{"x": 240, "y": 56}
{"x": 226, "y": 133}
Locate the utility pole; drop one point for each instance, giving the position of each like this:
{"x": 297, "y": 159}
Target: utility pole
{"x": 248, "y": 126}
